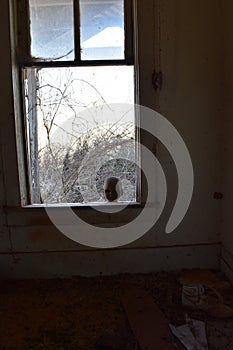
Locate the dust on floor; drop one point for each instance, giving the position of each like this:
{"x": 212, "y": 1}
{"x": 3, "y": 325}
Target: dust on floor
{"x": 87, "y": 313}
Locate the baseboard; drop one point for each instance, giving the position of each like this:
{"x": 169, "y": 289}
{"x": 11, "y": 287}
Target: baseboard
{"x": 108, "y": 262}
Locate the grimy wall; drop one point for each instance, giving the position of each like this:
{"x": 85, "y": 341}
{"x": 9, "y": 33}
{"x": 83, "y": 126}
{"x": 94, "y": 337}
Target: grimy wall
{"x": 183, "y": 39}
{"x": 227, "y": 142}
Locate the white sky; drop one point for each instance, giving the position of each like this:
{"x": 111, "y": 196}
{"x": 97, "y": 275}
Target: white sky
{"x": 91, "y": 86}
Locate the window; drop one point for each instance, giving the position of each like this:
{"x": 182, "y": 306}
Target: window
{"x": 78, "y": 83}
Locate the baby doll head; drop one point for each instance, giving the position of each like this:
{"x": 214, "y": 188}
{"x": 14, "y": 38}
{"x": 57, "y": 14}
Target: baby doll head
{"x": 112, "y": 188}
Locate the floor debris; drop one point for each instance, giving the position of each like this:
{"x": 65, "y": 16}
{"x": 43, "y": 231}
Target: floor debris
{"x": 147, "y": 321}
{"x": 192, "y": 334}
{"x": 87, "y": 313}
{"x": 203, "y": 290}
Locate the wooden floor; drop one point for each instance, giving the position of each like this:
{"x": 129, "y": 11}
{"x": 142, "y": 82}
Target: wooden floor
{"x": 88, "y": 313}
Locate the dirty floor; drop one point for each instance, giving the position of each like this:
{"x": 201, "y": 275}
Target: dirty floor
{"x": 88, "y": 314}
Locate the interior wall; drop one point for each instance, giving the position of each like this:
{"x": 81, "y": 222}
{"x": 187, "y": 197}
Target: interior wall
{"x": 186, "y": 47}
{"x": 190, "y": 99}
{"x": 227, "y": 142}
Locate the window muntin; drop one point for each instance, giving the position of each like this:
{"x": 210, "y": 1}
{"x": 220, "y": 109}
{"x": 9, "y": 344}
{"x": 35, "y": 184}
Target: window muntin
{"x": 50, "y": 79}
{"x": 79, "y": 32}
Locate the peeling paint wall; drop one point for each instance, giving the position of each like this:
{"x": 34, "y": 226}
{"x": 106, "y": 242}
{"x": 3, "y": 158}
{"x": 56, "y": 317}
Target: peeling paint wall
{"x": 186, "y": 47}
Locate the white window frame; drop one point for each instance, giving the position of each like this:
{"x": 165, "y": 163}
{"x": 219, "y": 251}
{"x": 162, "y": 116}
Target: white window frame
{"x": 13, "y": 158}
{"x": 25, "y": 60}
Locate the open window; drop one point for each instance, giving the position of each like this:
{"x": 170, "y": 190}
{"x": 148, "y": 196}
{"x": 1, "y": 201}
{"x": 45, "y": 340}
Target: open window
{"x": 77, "y": 63}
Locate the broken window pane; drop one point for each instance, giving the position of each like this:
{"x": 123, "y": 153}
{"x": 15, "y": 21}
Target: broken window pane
{"x": 82, "y": 135}
{"x": 102, "y": 29}
{"x": 51, "y": 29}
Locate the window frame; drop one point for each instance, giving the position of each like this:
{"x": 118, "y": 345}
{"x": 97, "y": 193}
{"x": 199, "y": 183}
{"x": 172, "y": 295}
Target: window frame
{"x": 14, "y": 201}
{"x": 23, "y": 58}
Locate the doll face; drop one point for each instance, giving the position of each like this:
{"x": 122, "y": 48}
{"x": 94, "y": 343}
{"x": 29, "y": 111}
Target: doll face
{"x": 112, "y": 189}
